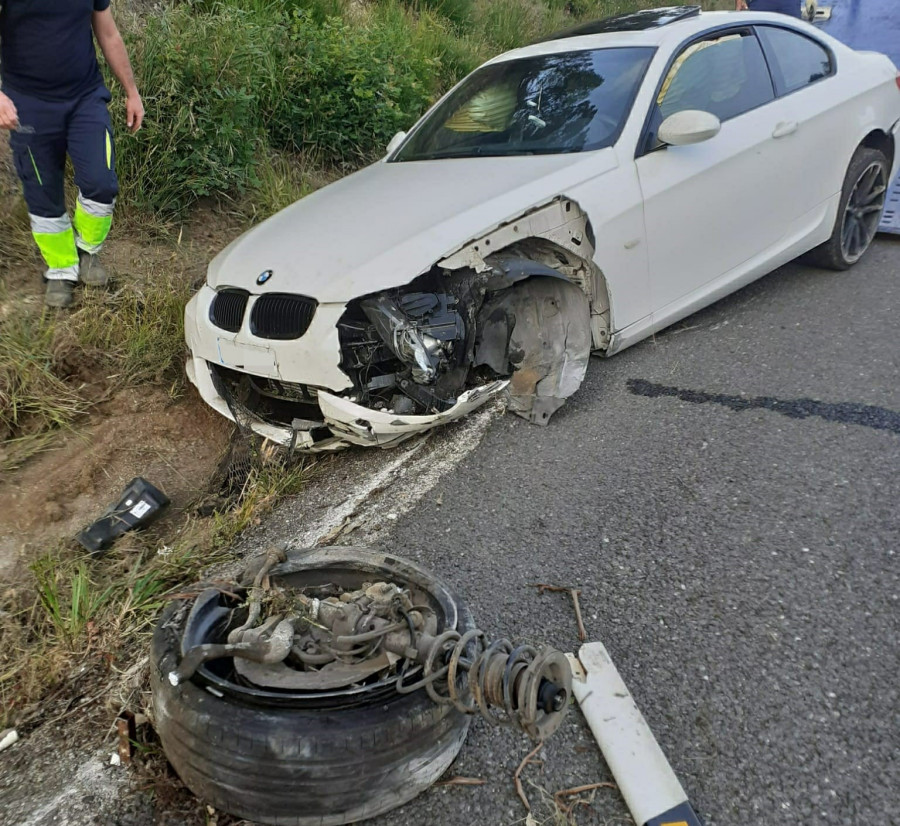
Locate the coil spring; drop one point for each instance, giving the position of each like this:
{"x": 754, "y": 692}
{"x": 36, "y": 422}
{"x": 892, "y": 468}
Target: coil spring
{"x": 502, "y": 681}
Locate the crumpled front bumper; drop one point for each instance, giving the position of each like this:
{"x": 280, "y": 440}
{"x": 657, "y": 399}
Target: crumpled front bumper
{"x": 350, "y": 423}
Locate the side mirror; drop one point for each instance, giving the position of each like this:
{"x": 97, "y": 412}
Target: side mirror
{"x": 395, "y": 142}
{"x": 689, "y": 126}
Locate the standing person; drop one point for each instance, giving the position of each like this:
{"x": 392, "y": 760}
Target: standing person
{"x": 54, "y": 102}
{"x": 788, "y": 7}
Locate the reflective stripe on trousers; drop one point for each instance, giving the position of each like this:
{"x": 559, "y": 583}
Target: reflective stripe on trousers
{"x": 92, "y": 223}
{"x": 56, "y": 240}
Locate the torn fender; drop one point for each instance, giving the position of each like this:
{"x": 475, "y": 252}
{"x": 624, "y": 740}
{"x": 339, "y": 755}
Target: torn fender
{"x": 362, "y": 426}
{"x": 540, "y": 331}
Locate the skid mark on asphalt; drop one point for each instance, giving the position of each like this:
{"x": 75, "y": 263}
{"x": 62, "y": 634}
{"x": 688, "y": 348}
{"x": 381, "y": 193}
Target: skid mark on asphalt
{"x": 877, "y": 418}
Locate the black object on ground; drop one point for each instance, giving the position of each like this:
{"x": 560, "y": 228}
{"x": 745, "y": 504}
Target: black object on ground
{"x": 138, "y": 506}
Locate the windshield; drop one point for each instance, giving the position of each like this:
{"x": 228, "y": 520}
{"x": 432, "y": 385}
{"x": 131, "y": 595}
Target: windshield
{"x": 568, "y": 102}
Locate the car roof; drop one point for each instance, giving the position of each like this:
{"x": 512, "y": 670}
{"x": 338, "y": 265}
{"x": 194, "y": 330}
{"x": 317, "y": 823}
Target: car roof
{"x": 634, "y": 21}
{"x": 671, "y": 31}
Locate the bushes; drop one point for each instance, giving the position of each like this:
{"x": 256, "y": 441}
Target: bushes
{"x": 201, "y": 78}
{"x": 351, "y": 87}
{"x": 458, "y": 12}
{"x": 227, "y": 81}
{"x": 223, "y": 83}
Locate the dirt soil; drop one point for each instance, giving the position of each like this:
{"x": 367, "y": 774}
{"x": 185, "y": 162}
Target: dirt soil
{"x": 175, "y": 445}
{"x": 174, "y": 442}
{"x": 165, "y": 434}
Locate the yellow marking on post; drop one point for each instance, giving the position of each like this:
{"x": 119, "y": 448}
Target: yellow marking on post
{"x": 108, "y": 150}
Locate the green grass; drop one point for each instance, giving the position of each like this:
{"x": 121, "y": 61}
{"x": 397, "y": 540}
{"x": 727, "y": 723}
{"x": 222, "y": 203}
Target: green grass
{"x": 135, "y": 335}
{"x": 34, "y": 398}
{"x": 281, "y": 179}
{"x": 96, "y": 613}
{"x": 72, "y": 605}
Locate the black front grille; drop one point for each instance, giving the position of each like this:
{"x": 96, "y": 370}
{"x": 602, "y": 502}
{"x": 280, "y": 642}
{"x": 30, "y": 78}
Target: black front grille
{"x": 227, "y": 309}
{"x": 281, "y": 316}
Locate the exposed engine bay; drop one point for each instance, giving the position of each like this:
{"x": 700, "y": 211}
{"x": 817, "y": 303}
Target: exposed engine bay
{"x": 414, "y": 350}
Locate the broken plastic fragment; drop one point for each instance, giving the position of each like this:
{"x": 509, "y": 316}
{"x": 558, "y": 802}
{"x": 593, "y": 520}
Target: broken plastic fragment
{"x": 138, "y": 506}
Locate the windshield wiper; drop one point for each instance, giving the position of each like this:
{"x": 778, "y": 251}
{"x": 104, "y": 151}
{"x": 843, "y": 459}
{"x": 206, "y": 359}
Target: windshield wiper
{"x": 470, "y": 152}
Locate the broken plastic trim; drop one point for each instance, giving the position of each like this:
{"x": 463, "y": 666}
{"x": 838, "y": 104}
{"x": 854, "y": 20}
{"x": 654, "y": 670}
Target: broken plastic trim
{"x": 349, "y": 423}
{"x": 362, "y": 426}
{"x": 139, "y": 504}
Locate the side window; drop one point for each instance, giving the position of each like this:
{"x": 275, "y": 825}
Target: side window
{"x": 725, "y": 75}
{"x": 797, "y": 60}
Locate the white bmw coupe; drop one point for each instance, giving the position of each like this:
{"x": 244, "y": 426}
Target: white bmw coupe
{"x": 569, "y": 197}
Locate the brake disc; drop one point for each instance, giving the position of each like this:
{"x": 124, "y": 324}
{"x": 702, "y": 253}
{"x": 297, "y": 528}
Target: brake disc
{"x": 333, "y": 675}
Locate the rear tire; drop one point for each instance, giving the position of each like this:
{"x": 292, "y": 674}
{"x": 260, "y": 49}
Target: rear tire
{"x": 859, "y": 212}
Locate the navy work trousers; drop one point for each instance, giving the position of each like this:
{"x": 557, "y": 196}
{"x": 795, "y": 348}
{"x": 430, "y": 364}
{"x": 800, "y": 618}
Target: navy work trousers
{"x": 50, "y": 130}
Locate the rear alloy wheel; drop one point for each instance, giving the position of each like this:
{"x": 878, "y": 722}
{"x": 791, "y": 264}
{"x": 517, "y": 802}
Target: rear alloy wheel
{"x": 862, "y": 202}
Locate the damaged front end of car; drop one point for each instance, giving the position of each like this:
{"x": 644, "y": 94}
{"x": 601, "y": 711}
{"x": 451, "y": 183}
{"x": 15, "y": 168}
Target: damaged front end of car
{"x": 523, "y": 320}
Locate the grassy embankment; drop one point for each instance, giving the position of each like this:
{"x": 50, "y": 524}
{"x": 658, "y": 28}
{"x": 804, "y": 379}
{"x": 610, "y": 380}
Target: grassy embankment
{"x": 250, "y": 105}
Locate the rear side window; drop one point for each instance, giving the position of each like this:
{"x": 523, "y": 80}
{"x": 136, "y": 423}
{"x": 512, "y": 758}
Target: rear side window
{"x": 725, "y": 75}
{"x": 797, "y": 60}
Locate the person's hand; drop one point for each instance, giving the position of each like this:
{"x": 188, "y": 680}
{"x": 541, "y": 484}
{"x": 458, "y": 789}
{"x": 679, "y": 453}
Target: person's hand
{"x": 9, "y": 118}
{"x": 134, "y": 112}
{"x": 740, "y": 5}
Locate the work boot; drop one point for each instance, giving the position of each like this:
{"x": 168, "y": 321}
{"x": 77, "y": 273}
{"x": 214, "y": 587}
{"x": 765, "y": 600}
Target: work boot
{"x": 59, "y": 293}
{"x": 91, "y": 271}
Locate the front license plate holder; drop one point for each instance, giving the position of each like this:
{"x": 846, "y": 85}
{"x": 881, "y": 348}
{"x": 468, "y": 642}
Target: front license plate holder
{"x": 248, "y": 358}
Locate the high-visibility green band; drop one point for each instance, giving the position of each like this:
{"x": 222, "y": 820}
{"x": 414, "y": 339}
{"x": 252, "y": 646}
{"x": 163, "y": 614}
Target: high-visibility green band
{"x": 58, "y": 248}
{"x": 92, "y": 229}
{"x": 34, "y": 165}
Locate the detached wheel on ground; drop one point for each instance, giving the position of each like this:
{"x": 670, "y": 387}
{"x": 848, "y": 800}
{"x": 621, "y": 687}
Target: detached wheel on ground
{"x": 859, "y": 212}
{"x": 303, "y": 757}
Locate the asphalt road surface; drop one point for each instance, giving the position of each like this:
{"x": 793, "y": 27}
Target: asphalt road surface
{"x": 727, "y": 497}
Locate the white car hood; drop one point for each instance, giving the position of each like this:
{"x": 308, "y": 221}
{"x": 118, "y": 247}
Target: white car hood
{"x": 386, "y": 224}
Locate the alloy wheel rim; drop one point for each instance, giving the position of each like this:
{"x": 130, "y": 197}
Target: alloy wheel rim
{"x": 863, "y": 212}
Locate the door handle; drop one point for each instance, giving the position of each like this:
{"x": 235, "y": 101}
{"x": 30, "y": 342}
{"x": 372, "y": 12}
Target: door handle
{"x": 785, "y": 128}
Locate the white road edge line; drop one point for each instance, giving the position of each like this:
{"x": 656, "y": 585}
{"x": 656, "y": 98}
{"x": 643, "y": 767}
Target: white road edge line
{"x": 412, "y": 475}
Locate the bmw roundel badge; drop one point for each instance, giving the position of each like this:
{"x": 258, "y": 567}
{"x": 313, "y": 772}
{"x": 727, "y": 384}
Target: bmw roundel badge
{"x": 264, "y": 276}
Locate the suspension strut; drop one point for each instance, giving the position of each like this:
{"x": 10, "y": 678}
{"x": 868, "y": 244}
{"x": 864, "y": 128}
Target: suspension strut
{"x": 524, "y": 686}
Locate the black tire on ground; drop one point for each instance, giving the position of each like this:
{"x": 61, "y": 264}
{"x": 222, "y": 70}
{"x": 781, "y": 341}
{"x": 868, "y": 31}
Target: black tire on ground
{"x": 300, "y": 765}
{"x": 859, "y": 211}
